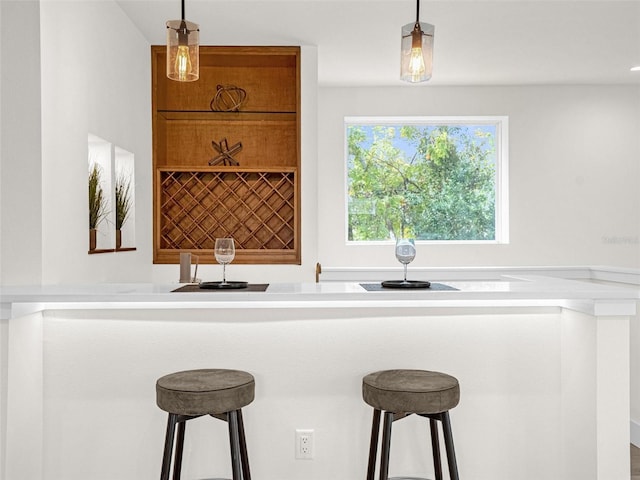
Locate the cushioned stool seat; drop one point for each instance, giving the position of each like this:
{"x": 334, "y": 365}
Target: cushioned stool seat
{"x": 400, "y": 393}
{"x": 194, "y": 393}
{"x": 414, "y": 391}
{"x": 203, "y": 392}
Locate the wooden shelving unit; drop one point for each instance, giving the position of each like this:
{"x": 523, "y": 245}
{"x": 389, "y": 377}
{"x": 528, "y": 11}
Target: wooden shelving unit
{"x": 256, "y": 202}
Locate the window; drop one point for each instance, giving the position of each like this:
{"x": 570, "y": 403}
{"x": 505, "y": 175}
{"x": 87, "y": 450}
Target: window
{"x": 428, "y": 178}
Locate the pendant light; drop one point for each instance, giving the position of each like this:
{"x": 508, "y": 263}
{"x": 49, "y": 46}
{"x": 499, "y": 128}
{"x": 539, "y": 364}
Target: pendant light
{"x": 183, "y": 59}
{"x": 416, "y": 62}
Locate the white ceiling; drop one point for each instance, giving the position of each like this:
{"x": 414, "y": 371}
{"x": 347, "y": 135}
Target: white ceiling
{"x": 477, "y": 42}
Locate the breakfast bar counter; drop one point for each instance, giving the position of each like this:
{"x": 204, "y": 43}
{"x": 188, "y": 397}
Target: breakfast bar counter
{"x": 530, "y": 291}
{"x": 543, "y": 365}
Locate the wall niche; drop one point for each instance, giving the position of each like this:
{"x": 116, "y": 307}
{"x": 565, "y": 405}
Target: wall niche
{"x": 111, "y": 191}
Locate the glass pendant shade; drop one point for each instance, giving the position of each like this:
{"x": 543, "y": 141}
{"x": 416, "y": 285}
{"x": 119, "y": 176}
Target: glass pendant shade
{"x": 183, "y": 59}
{"x": 416, "y": 61}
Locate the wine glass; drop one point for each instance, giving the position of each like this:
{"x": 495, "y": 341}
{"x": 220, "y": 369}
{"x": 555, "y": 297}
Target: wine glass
{"x": 225, "y": 252}
{"x": 405, "y": 253}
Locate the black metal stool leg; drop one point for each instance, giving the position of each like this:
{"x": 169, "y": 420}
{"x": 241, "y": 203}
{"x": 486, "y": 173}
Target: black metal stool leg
{"x": 244, "y": 456}
{"x": 386, "y": 446}
{"x": 168, "y": 446}
{"x": 232, "y": 418}
{"x": 177, "y": 459}
{"x": 435, "y": 448}
{"x": 373, "y": 448}
{"x": 448, "y": 443}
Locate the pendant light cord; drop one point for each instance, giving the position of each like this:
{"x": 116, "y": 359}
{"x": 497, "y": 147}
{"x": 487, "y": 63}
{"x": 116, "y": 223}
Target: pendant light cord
{"x": 417, "y": 10}
{"x": 183, "y": 9}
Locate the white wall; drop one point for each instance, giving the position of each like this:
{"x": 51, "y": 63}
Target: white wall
{"x": 634, "y": 360}
{"x": 574, "y": 172}
{"x": 96, "y": 79}
{"x": 20, "y": 176}
{"x": 1, "y": 135}
{"x": 20, "y": 156}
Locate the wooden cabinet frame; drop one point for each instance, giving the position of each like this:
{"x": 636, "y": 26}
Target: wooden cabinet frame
{"x": 256, "y": 202}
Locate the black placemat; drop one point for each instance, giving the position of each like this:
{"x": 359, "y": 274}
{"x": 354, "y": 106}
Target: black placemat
{"x": 252, "y": 287}
{"x": 377, "y": 287}
{"x": 230, "y": 285}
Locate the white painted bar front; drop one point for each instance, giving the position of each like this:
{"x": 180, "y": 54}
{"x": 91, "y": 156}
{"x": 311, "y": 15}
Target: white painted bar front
{"x": 545, "y": 381}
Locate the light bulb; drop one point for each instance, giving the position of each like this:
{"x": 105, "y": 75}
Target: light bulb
{"x": 416, "y": 63}
{"x": 183, "y": 62}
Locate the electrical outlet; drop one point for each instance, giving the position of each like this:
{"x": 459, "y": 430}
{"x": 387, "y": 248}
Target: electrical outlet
{"x": 304, "y": 444}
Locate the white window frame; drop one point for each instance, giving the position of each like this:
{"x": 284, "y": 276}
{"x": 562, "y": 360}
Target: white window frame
{"x": 501, "y": 123}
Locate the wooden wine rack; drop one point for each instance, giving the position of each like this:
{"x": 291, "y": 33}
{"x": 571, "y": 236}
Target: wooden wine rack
{"x": 257, "y": 203}
{"x": 255, "y": 207}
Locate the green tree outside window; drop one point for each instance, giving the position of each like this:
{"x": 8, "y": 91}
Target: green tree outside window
{"x": 428, "y": 182}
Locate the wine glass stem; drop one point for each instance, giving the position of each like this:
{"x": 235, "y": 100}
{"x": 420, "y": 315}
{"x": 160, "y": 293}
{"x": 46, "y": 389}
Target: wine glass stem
{"x": 405, "y": 272}
{"x": 224, "y": 273}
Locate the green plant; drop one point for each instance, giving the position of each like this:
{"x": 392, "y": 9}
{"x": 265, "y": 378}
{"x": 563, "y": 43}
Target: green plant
{"x": 123, "y": 200}
{"x": 97, "y": 200}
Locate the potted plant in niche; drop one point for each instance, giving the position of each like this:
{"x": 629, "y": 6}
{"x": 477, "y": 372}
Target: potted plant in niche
{"x": 97, "y": 204}
{"x": 123, "y": 205}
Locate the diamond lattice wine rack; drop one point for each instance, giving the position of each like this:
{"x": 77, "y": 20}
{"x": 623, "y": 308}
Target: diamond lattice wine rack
{"x": 226, "y": 156}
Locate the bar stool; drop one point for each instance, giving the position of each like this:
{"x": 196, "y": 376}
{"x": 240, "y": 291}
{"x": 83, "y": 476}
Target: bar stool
{"x": 194, "y": 393}
{"x": 400, "y": 393}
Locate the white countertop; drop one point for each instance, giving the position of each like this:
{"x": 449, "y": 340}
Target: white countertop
{"x": 508, "y": 291}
